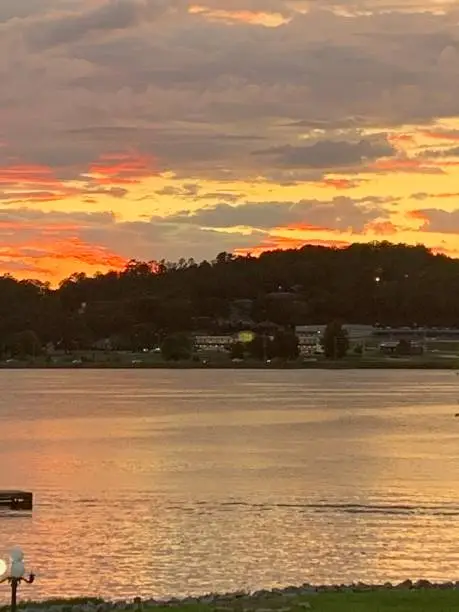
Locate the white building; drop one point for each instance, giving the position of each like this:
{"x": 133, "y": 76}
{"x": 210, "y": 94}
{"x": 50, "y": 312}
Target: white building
{"x": 213, "y": 343}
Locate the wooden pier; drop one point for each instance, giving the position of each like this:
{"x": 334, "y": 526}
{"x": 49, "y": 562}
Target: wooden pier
{"x": 16, "y": 500}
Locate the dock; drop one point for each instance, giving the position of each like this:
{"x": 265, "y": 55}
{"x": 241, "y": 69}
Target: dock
{"x": 16, "y": 500}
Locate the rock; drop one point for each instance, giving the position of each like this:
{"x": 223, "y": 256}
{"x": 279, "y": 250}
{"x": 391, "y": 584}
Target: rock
{"x": 260, "y": 594}
{"x": 189, "y": 601}
{"x": 291, "y": 591}
{"x": 446, "y": 585}
{"x": 308, "y": 590}
{"x": 362, "y": 586}
{"x": 422, "y": 584}
{"x": 305, "y": 605}
{"x": 406, "y": 584}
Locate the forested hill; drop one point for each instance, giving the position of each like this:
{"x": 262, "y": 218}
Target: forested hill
{"x": 364, "y": 283}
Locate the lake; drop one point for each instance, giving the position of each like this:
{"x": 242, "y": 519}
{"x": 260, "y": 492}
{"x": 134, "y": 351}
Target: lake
{"x": 166, "y": 483}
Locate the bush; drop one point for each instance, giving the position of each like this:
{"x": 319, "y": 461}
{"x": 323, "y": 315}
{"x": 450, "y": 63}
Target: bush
{"x": 335, "y": 341}
{"x": 176, "y": 347}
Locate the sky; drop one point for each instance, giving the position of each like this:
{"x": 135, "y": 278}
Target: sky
{"x": 154, "y": 129}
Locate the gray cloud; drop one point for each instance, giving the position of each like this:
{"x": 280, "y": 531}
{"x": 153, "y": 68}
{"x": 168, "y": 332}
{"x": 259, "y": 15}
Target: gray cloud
{"x": 441, "y": 221}
{"x": 422, "y": 195}
{"x": 448, "y": 152}
{"x": 187, "y": 190}
{"x": 341, "y": 213}
{"x": 14, "y": 9}
{"x": 111, "y": 16}
{"x": 198, "y": 95}
{"x": 325, "y": 154}
{"x": 156, "y": 238}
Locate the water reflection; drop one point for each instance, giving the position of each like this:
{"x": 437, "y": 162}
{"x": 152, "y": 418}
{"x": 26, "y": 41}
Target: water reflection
{"x": 185, "y": 482}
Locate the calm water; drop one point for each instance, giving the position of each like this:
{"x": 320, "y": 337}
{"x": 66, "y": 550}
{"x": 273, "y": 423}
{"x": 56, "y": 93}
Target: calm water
{"x": 165, "y": 483}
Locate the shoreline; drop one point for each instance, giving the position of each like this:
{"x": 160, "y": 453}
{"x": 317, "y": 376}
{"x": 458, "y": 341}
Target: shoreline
{"x": 321, "y": 365}
{"x": 285, "y": 599}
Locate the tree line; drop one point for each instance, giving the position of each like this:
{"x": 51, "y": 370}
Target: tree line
{"x": 375, "y": 283}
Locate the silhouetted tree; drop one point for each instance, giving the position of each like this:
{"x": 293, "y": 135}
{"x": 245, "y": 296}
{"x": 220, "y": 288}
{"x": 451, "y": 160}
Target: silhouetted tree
{"x": 335, "y": 341}
{"x": 147, "y": 301}
{"x": 176, "y": 347}
{"x": 25, "y": 344}
{"x": 403, "y": 347}
{"x": 259, "y": 347}
{"x": 285, "y": 346}
{"x": 237, "y": 350}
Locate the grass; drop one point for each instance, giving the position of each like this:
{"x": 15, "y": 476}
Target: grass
{"x": 373, "y": 601}
{"x": 393, "y": 600}
{"x": 387, "y": 601}
{"x": 372, "y": 359}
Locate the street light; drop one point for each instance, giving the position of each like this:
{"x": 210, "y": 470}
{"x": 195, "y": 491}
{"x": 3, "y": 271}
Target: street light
{"x": 16, "y": 574}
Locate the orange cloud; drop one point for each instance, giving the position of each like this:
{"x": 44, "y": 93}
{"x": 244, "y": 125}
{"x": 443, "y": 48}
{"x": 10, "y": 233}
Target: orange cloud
{"x": 53, "y": 258}
{"x": 302, "y": 227}
{"x": 402, "y": 141}
{"x": 406, "y": 164}
{"x": 450, "y": 135}
{"x": 381, "y": 228}
{"x": 27, "y": 183}
{"x": 52, "y": 228}
{"x": 52, "y": 245}
{"x": 123, "y": 169}
{"x": 448, "y": 251}
{"x": 71, "y": 248}
{"x": 276, "y": 243}
{"x": 339, "y": 183}
{"x": 426, "y": 196}
{"x": 32, "y": 184}
{"x": 419, "y": 215}
{"x": 446, "y": 195}
{"x": 23, "y": 174}
{"x": 244, "y": 16}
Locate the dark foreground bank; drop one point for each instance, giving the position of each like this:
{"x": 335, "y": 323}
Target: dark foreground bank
{"x": 322, "y": 364}
{"x": 421, "y": 596}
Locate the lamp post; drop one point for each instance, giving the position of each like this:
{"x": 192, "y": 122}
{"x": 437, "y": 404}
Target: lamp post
{"x": 16, "y": 575}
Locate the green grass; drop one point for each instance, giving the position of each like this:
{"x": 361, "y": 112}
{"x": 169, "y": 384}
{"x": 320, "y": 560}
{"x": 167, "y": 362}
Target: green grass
{"x": 386, "y": 601}
{"x": 375, "y": 601}
{"x": 393, "y": 600}
{"x": 120, "y": 359}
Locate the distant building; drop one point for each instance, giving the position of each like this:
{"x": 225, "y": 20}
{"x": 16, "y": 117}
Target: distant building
{"x": 213, "y": 343}
{"x": 444, "y": 334}
{"x": 401, "y": 347}
{"x": 355, "y": 331}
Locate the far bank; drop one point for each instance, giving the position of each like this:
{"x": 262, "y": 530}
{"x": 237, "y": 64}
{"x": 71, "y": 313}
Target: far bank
{"x": 128, "y": 361}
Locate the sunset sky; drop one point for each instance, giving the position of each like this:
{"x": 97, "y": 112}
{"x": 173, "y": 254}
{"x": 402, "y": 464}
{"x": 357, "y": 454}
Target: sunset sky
{"x": 157, "y": 129}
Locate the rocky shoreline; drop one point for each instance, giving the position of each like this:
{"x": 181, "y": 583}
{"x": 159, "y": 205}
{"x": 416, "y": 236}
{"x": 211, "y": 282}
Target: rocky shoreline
{"x": 257, "y": 601}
